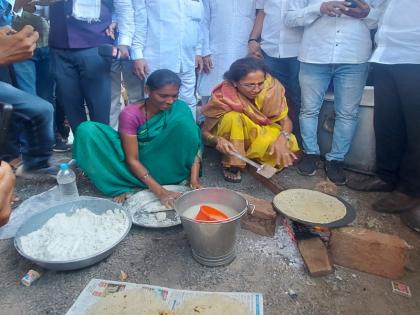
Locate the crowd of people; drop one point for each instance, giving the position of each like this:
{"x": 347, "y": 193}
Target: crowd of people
{"x": 260, "y": 67}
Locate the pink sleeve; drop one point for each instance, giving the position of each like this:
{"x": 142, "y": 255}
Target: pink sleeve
{"x": 130, "y": 119}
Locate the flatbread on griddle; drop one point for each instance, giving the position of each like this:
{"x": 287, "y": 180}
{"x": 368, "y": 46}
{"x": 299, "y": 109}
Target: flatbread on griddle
{"x": 310, "y": 206}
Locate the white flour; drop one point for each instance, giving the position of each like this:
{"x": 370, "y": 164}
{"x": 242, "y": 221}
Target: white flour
{"x": 79, "y": 235}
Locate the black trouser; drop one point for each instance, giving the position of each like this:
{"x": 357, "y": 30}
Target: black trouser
{"x": 397, "y": 125}
{"x": 286, "y": 70}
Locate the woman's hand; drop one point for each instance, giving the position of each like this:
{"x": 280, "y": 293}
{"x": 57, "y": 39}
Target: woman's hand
{"x": 224, "y": 146}
{"x": 282, "y": 153}
{"x": 195, "y": 184}
{"x": 167, "y": 197}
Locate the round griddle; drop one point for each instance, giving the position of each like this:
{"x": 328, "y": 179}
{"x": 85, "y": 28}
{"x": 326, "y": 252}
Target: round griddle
{"x": 348, "y": 217}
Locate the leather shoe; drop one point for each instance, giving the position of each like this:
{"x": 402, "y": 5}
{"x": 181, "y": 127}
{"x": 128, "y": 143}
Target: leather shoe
{"x": 396, "y": 202}
{"x": 370, "y": 184}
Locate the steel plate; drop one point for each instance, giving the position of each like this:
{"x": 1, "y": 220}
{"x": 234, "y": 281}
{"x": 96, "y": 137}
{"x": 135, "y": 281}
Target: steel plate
{"x": 138, "y": 204}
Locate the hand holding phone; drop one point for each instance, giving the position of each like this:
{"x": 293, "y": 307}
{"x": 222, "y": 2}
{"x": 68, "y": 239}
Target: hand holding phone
{"x": 358, "y": 9}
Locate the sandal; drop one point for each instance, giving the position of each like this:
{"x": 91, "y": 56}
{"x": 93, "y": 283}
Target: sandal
{"x": 234, "y": 171}
{"x": 15, "y": 163}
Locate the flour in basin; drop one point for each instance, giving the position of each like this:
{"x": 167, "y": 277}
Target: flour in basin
{"x": 79, "y": 235}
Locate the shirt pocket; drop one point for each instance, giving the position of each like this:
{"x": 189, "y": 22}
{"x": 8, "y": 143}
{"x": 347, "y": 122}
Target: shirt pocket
{"x": 194, "y": 9}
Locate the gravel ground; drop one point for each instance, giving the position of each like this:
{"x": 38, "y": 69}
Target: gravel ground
{"x": 267, "y": 265}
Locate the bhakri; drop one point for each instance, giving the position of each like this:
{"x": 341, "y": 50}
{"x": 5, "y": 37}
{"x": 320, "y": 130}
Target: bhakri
{"x": 131, "y": 302}
{"x": 310, "y": 206}
{"x": 212, "y": 305}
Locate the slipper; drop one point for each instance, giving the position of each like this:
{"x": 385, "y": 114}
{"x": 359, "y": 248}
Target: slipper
{"x": 15, "y": 163}
{"x": 232, "y": 170}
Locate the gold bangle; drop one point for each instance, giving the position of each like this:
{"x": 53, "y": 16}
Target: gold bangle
{"x": 211, "y": 138}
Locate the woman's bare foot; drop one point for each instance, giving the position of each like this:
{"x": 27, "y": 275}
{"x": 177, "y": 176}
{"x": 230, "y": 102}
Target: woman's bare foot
{"x": 120, "y": 198}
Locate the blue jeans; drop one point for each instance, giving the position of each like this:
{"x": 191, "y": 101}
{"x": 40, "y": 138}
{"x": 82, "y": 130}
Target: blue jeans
{"x": 36, "y": 116}
{"x": 33, "y": 75}
{"x": 286, "y": 70}
{"x": 348, "y": 82}
{"x": 82, "y": 75}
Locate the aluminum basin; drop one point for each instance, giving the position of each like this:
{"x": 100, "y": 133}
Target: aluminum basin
{"x": 96, "y": 205}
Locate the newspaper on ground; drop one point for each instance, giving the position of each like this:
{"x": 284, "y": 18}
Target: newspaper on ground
{"x": 98, "y": 288}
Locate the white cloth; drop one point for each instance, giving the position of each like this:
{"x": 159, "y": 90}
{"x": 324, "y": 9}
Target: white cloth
{"x": 277, "y": 39}
{"x": 186, "y": 92}
{"x": 333, "y": 40}
{"x": 87, "y": 10}
{"x": 398, "y": 35}
{"x": 226, "y": 27}
{"x": 166, "y": 33}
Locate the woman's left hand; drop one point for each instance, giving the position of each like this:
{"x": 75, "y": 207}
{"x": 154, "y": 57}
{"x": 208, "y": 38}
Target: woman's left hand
{"x": 282, "y": 153}
{"x": 195, "y": 184}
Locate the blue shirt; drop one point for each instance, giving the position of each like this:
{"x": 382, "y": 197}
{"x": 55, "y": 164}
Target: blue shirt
{"x": 6, "y": 12}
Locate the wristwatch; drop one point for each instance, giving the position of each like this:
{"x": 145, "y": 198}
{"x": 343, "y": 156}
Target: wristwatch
{"x": 286, "y": 135}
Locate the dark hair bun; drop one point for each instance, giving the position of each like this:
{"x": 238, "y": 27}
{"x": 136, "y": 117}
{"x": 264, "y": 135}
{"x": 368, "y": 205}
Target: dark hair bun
{"x": 242, "y": 67}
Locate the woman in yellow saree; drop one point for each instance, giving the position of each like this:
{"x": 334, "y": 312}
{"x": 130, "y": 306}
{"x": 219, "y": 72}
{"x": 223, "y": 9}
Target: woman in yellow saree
{"x": 247, "y": 113}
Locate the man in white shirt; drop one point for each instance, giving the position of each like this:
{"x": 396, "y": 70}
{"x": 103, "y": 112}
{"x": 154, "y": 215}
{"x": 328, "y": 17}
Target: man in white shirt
{"x": 225, "y": 27}
{"x": 396, "y": 72}
{"x": 336, "y": 47}
{"x": 165, "y": 35}
{"x": 279, "y": 47}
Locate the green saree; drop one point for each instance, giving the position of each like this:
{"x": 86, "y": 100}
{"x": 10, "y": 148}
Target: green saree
{"x": 168, "y": 145}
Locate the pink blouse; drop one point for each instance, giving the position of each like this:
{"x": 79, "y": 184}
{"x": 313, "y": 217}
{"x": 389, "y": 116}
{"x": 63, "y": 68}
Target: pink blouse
{"x": 130, "y": 119}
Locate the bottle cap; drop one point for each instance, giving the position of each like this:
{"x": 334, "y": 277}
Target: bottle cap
{"x": 64, "y": 166}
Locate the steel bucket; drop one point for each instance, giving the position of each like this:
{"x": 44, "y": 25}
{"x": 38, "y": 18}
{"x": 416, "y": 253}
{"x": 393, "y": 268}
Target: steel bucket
{"x": 212, "y": 243}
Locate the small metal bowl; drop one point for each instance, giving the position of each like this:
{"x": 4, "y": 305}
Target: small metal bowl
{"x": 34, "y": 223}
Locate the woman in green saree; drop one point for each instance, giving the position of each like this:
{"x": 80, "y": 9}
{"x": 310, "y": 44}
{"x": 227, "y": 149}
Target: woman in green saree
{"x": 157, "y": 143}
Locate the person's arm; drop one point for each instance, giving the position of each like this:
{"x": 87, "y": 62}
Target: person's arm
{"x": 199, "y": 64}
{"x": 301, "y": 13}
{"x": 17, "y": 46}
{"x": 124, "y": 16}
{"x": 195, "y": 173}
{"x": 140, "y": 66}
{"x": 222, "y": 145}
{"x": 7, "y": 185}
{"x": 377, "y": 8}
{"x": 254, "y": 47}
{"x": 131, "y": 151}
{"x": 280, "y": 147}
{"x": 205, "y": 31}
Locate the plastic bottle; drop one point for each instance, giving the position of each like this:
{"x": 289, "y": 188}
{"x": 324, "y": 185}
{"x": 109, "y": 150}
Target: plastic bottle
{"x": 66, "y": 180}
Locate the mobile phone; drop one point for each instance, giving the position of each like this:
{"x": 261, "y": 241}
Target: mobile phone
{"x": 5, "y": 115}
{"x": 352, "y": 4}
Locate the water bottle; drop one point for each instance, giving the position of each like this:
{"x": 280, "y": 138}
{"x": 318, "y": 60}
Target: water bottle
{"x": 66, "y": 180}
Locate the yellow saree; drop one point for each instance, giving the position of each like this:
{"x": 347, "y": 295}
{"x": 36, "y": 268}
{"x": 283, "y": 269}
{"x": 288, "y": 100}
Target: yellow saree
{"x": 252, "y": 127}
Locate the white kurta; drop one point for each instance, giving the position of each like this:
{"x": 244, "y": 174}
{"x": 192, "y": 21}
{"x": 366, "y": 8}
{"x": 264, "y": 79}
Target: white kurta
{"x": 226, "y": 28}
